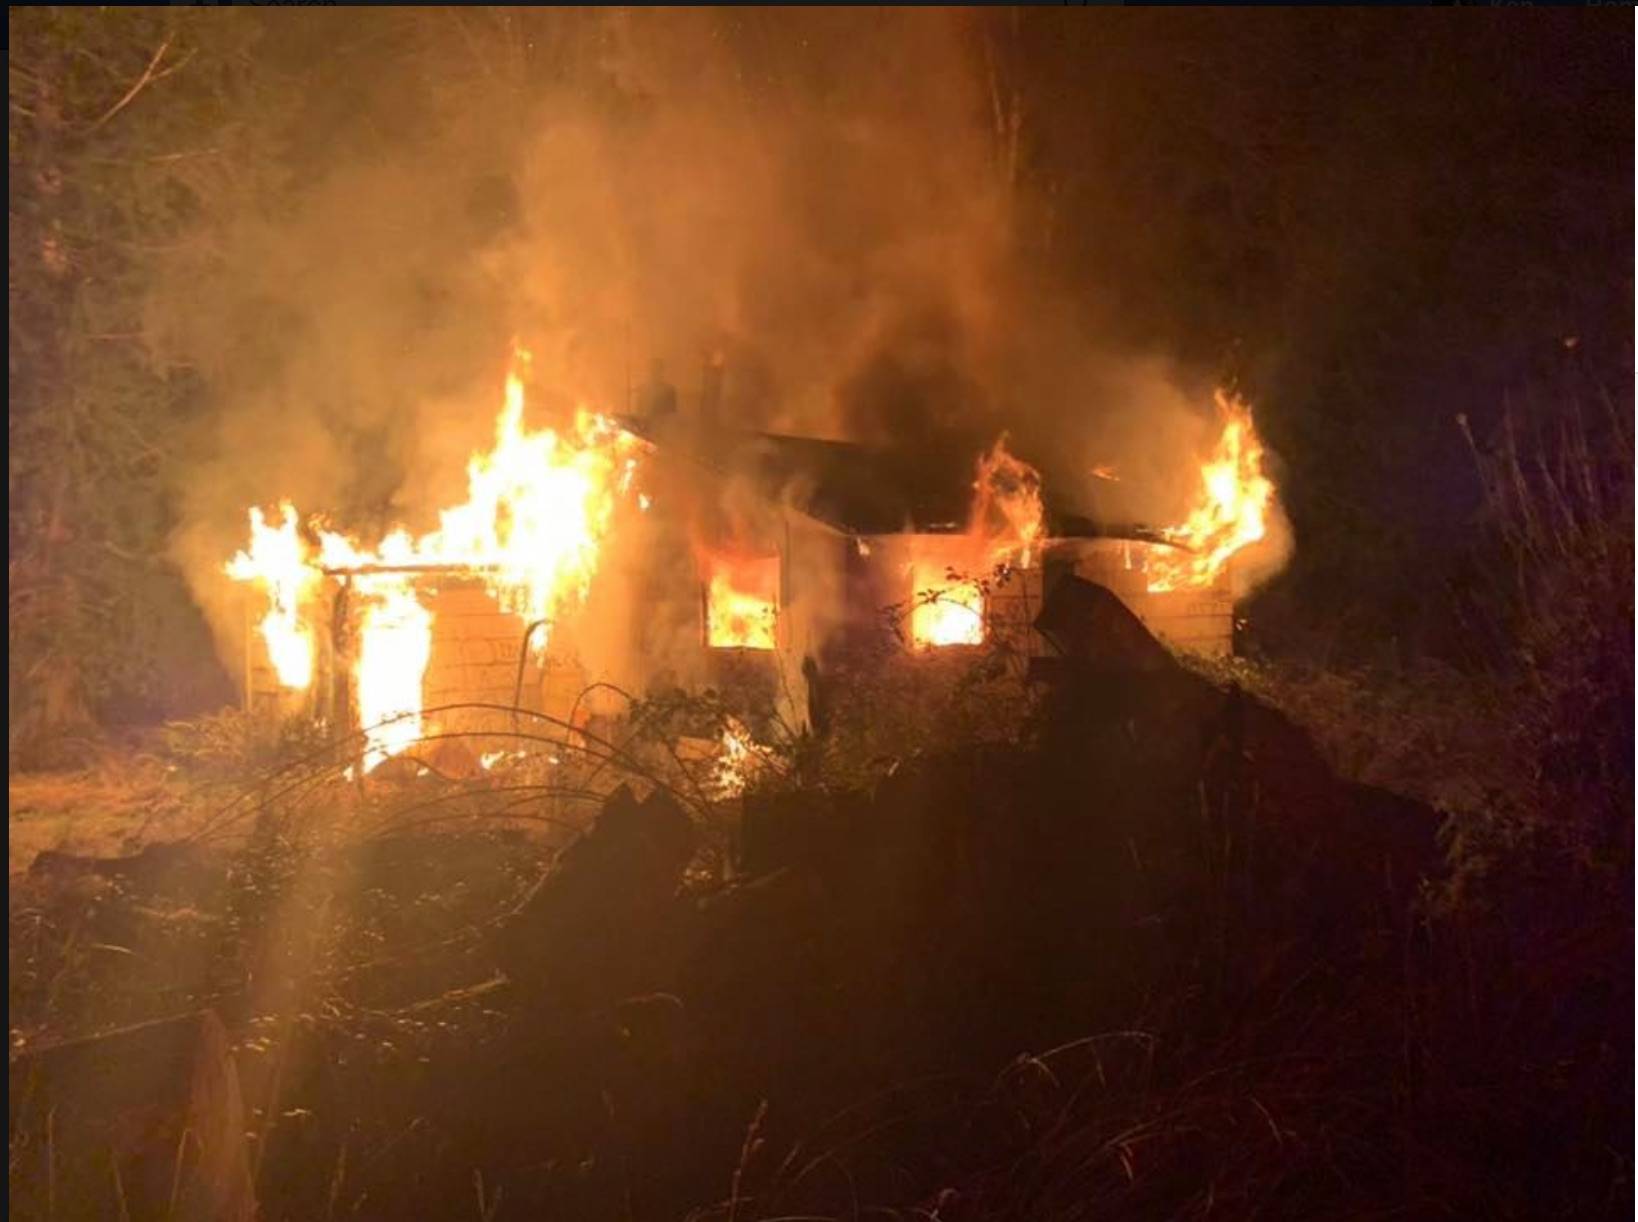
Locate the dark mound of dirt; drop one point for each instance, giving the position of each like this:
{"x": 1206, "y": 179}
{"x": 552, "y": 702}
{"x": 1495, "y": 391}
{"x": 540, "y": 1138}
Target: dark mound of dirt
{"x": 1152, "y": 836}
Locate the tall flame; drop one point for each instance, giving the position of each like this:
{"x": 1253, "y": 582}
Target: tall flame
{"x": 537, "y": 509}
{"x": 395, "y": 643}
{"x": 1009, "y": 489}
{"x": 1230, "y": 512}
{"x": 1005, "y": 527}
{"x": 277, "y": 560}
{"x": 538, "y": 506}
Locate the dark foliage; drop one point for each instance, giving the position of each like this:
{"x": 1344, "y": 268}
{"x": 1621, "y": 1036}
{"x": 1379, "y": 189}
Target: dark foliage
{"x": 128, "y": 144}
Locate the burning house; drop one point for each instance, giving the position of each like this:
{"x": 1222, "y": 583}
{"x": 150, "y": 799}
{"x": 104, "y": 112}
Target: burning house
{"x": 697, "y": 555}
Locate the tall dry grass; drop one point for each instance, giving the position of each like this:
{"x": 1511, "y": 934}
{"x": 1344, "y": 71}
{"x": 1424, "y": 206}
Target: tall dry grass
{"x": 1558, "y": 512}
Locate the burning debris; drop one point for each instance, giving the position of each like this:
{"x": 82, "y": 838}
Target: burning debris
{"x": 739, "y": 760}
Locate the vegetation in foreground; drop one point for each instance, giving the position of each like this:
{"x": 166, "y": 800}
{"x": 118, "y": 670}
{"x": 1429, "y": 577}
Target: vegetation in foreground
{"x": 1474, "y": 1061}
{"x": 1143, "y": 958}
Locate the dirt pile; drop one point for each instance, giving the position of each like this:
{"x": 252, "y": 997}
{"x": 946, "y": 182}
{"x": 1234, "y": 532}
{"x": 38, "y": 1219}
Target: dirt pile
{"x": 1152, "y": 836}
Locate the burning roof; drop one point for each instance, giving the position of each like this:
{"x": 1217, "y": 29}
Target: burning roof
{"x": 541, "y": 501}
{"x": 860, "y": 489}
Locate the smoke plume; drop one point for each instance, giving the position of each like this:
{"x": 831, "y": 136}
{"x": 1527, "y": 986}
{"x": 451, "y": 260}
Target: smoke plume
{"x": 826, "y": 203}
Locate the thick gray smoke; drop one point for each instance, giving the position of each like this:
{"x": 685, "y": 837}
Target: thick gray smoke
{"x": 825, "y": 201}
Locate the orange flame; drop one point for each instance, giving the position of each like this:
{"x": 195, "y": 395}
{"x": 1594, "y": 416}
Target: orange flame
{"x": 277, "y": 561}
{"x": 1231, "y": 509}
{"x": 741, "y": 610}
{"x": 395, "y": 643}
{"x": 1006, "y": 526}
{"x": 1010, "y": 489}
{"x": 538, "y": 507}
{"x": 738, "y": 760}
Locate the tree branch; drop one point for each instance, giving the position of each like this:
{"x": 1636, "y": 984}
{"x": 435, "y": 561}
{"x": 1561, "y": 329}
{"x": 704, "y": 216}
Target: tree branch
{"x": 142, "y": 82}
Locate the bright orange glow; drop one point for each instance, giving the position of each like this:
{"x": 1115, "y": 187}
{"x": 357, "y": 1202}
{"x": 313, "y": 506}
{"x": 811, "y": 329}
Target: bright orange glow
{"x": 277, "y": 561}
{"x": 1230, "y": 511}
{"x": 736, "y": 761}
{"x": 538, "y": 506}
{"x": 1005, "y": 527}
{"x": 395, "y": 642}
{"x": 741, "y": 603}
{"x": 1007, "y": 511}
{"x": 945, "y": 612}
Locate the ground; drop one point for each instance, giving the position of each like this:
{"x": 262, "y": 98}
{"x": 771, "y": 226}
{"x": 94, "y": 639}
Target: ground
{"x": 1142, "y": 955}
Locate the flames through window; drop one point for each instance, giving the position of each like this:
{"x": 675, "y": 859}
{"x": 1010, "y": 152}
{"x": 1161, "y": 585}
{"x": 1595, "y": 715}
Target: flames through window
{"x": 946, "y": 609}
{"x": 742, "y": 602}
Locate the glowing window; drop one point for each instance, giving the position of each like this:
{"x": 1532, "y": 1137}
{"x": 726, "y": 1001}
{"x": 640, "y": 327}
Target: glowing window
{"x": 944, "y": 612}
{"x": 741, "y": 603}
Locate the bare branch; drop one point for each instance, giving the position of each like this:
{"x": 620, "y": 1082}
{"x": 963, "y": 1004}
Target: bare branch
{"x": 142, "y": 82}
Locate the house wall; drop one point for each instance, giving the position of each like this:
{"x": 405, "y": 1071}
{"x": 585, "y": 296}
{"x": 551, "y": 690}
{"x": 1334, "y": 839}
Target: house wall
{"x": 474, "y": 660}
{"x": 811, "y": 601}
{"x": 1198, "y": 620}
{"x": 834, "y": 596}
{"x": 883, "y": 578}
{"x": 813, "y": 587}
